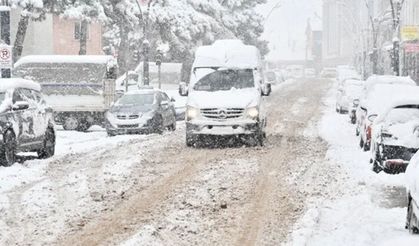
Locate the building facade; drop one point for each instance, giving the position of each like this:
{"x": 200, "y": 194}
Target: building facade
{"x": 409, "y": 35}
{"x": 56, "y": 36}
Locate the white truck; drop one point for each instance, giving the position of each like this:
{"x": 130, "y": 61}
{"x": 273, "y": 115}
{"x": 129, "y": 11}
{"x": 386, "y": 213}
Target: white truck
{"x": 80, "y": 89}
{"x": 225, "y": 93}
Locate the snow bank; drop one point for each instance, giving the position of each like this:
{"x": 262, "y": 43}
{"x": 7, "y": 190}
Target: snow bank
{"x": 94, "y": 59}
{"x": 372, "y": 209}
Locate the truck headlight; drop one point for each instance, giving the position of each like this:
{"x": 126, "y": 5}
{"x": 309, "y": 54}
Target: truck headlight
{"x": 191, "y": 113}
{"x": 252, "y": 112}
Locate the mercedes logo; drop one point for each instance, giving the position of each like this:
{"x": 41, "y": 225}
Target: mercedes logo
{"x": 222, "y": 114}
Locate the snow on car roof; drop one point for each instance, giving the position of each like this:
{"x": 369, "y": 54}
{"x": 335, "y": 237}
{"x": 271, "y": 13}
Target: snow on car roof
{"x": 387, "y": 79}
{"x": 353, "y": 82}
{"x": 385, "y": 95}
{"x": 6, "y": 84}
{"x": 142, "y": 92}
{"x": 93, "y": 59}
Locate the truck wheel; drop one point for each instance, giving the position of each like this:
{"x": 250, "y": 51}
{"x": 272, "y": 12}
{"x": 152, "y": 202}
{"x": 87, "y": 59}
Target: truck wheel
{"x": 9, "y": 154}
{"x": 48, "y": 148}
{"x": 376, "y": 168}
{"x": 83, "y": 126}
{"x": 71, "y": 123}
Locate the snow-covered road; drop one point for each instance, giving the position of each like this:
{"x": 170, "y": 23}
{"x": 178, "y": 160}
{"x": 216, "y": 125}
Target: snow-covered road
{"x": 310, "y": 185}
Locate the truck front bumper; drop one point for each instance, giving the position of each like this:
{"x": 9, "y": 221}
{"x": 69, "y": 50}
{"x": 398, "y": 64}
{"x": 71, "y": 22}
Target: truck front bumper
{"x": 223, "y": 128}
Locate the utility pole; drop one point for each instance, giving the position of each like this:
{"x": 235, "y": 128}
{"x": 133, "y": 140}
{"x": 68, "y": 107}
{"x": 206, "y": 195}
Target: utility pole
{"x": 159, "y": 58}
{"x": 5, "y": 34}
{"x": 396, "y": 8}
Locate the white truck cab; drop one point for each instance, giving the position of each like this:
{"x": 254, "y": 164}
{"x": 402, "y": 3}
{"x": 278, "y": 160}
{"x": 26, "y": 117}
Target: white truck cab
{"x": 225, "y": 93}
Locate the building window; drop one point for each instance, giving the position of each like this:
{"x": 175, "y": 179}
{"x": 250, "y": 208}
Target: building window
{"x": 77, "y": 31}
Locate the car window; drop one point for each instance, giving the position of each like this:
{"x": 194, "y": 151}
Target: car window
{"x": 39, "y": 97}
{"x": 29, "y": 97}
{"x": 17, "y": 95}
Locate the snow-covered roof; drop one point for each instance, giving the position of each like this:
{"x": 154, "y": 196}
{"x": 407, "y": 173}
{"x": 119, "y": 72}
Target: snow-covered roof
{"x": 387, "y": 79}
{"x": 384, "y": 96}
{"x": 227, "y": 53}
{"x": 6, "y": 84}
{"x": 95, "y": 59}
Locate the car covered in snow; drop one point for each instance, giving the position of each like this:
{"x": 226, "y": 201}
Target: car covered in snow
{"x": 329, "y": 73}
{"x": 377, "y": 98}
{"x": 225, "y": 93}
{"x": 395, "y": 136}
{"x": 374, "y": 80}
{"x": 26, "y": 121}
{"x": 348, "y": 95}
{"x": 141, "y": 111}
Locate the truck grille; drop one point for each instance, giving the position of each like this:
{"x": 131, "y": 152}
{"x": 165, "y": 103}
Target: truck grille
{"x": 128, "y": 126}
{"x": 128, "y": 117}
{"x": 222, "y": 114}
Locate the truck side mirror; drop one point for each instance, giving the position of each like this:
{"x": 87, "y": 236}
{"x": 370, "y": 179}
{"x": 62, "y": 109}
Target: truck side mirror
{"x": 183, "y": 89}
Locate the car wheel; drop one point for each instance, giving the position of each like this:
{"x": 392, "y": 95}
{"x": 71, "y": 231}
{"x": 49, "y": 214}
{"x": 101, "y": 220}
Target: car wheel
{"x": 366, "y": 147}
{"x": 353, "y": 120}
{"x": 172, "y": 127}
{"x": 71, "y": 123}
{"x": 412, "y": 219}
{"x": 83, "y": 126}
{"x": 110, "y": 134}
{"x": 357, "y": 131}
{"x": 361, "y": 143}
{"x": 48, "y": 148}
{"x": 158, "y": 125}
{"x": 376, "y": 167}
{"x": 9, "y": 154}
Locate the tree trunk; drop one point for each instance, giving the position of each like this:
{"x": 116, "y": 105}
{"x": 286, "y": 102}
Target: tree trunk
{"x": 83, "y": 37}
{"x": 123, "y": 48}
{"x": 20, "y": 37}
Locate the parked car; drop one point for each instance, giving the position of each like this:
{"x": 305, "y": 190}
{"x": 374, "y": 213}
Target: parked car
{"x": 349, "y": 92}
{"x": 395, "y": 136}
{"x": 412, "y": 191}
{"x": 386, "y": 79}
{"x": 310, "y": 73}
{"x": 26, "y": 121}
{"x": 225, "y": 93}
{"x": 80, "y": 89}
{"x": 141, "y": 111}
{"x": 374, "y": 102}
{"x": 329, "y": 72}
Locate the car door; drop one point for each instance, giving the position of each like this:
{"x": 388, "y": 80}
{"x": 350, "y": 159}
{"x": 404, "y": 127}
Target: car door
{"x": 24, "y": 118}
{"x": 42, "y": 114}
{"x": 167, "y": 107}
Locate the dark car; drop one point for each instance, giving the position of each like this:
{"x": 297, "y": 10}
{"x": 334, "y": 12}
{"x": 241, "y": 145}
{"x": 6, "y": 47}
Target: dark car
{"x": 396, "y": 137}
{"x": 26, "y": 122}
{"x": 141, "y": 111}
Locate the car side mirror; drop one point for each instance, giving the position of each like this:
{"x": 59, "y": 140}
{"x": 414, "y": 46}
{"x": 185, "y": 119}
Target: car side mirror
{"x": 372, "y": 117}
{"x": 20, "y": 105}
{"x": 183, "y": 89}
{"x": 266, "y": 89}
{"x": 172, "y": 99}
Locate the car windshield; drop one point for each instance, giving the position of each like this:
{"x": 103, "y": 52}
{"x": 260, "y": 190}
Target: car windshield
{"x": 224, "y": 80}
{"x": 402, "y": 115}
{"x": 353, "y": 90}
{"x": 136, "y": 100}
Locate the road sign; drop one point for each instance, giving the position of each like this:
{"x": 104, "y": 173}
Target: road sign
{"x": 410, "y": 33}
{"x": 411, "y": 48}
{"x": 6, "y": 60}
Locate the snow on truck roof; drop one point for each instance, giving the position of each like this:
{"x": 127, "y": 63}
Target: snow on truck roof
{"x": 93, "y": 59}
{"x": 227, "y": 53}
{"x": 6, "y": 84}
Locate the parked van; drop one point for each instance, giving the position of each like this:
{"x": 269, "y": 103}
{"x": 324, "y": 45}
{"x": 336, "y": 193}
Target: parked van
{"x": 80, "y": 89}
{"x": 225, "y": 93}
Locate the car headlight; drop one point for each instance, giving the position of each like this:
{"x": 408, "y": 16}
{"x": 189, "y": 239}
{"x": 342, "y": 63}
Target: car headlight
{"x": 252, "y": 112}
{"x": 191, "y": 113}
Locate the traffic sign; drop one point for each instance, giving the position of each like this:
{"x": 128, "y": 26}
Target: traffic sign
{"x": 6, "y": 60}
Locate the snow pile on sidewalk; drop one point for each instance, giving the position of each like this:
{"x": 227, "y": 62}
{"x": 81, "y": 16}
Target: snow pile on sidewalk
{"x": 372, "y": 208}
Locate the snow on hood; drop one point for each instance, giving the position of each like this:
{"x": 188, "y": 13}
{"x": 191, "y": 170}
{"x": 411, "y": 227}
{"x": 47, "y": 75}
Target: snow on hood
{"x": 234, "y": 98}
{"x": 404, "y": 134}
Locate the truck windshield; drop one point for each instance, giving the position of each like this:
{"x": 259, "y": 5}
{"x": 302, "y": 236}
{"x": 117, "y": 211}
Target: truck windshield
{"x": 224, "y": 80}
